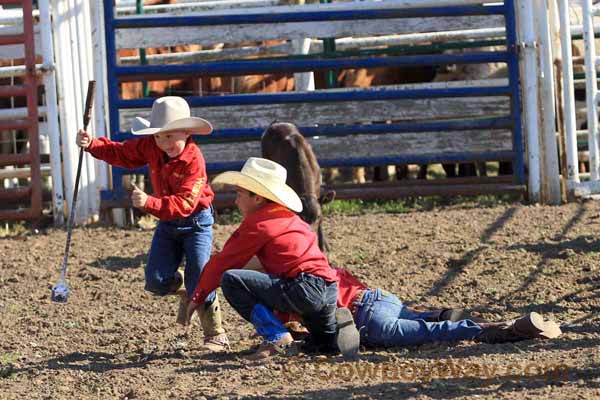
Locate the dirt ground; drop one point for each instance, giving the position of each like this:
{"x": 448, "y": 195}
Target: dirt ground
{"x": 112, "y": 340}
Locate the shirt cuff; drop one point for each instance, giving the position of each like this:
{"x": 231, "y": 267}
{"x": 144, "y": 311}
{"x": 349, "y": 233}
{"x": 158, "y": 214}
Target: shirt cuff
{"x": 198, "y": 296}
{"x": 92, "y": 144}
{"x": 152, "y": 204}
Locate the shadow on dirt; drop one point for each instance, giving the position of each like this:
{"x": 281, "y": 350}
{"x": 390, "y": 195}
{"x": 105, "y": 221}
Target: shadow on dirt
{"x": 116, "y": 263}
{"x": 447, "y": 387}
{"x": 561, "y": 250}
{"x": 104, "y": 362}
{"x": 457, "y": 267}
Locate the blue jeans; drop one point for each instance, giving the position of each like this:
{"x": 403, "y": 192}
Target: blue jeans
{"x": 384, "y": 321}
{"x": 190, "y": 237}
{"x": 307, "y": 295}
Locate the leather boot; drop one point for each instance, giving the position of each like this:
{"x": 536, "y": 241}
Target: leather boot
{"x": 529, "y": 326}
{"x": 215, "y": 338}
{"x": 297, "y": 330}
{"x": 184, "y": 300}
{"x": 284, "y": 346}
{"x": 347, "y": 336}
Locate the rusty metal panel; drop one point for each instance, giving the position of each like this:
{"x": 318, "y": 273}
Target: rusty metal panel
{"x": 28, "y": 90}
{"x": 12, "y": 91}
{"x": 14, "y": 159}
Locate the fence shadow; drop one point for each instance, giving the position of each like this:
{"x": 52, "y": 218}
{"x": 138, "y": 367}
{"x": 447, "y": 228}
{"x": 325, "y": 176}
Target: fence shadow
{"x": 116, "y": 263}
{"x": 456, "y": 267}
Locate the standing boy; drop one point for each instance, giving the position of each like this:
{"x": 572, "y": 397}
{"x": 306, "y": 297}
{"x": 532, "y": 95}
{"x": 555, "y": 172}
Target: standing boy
{"x": 182, "y": 201}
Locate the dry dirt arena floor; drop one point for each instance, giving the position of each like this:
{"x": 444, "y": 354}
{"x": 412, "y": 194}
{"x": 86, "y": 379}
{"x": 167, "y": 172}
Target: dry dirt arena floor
{"x": 114, "y": 341}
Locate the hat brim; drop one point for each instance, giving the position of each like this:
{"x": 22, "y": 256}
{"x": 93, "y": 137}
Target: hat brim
{"x": 282, "y": 194}
{"x": 551, "y": 330}
{"x": 195, "y": 125}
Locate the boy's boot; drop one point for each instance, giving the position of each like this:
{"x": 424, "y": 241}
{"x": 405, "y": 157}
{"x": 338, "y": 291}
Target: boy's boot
{"x": 215, "y": 338}
{"x": 529, "y": 326}
{"x": 347, "y": 336}
{"x": 276, "y": 339}
{"x": 184, "y": 300}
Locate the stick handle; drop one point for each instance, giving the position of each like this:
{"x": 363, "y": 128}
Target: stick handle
{"x": 87, "y": 115}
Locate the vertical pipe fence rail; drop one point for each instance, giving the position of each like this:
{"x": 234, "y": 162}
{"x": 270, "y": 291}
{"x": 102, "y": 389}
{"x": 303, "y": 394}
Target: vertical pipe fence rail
{"x": 577, "y": 186}
{"x": 30, "y": 123}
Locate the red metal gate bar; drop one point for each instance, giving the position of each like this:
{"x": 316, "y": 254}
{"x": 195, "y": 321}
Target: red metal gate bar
{"x": 12, "y": 39}
{"x": 12, "y": 91}
{"x": 11, "y": 2}
{"x": 32, "y": 108}
{"x": 15, "y": 124}
{"x": 17, "y": 214}
{"x": 29, "y": 90}
{"x": 11, "y": 194}
{"x": 15, "y": 159}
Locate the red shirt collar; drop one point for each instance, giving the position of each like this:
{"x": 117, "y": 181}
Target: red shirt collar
{"x": 268, "y": 210}
{"x": 186, "y": 155}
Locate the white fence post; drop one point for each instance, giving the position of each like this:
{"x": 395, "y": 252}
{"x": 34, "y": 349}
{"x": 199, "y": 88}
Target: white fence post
{"x": 529, "y": 88}
{"x": 73, "y": 61}
{"x": 568, "y": 94}
{"x": 591, "y": 88}
{"x": 52, "y": 112}
{"x": 550, "y": 175}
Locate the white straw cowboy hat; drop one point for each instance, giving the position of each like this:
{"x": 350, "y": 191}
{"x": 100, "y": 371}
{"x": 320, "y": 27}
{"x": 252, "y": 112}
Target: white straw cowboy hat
{"x": 264, "y": 177}
{"x": 170, "y": 113}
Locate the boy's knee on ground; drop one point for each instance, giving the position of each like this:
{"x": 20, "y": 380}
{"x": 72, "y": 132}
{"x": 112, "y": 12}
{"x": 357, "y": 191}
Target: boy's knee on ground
{"x": 155, "y": 286}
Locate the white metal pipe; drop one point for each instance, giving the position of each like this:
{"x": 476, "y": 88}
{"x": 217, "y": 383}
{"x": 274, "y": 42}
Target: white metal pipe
{"x": 14, "y": 16}
{"x": 100, "y": 111}
{"x": 591, "y": 88}
{"x": 414, "y": 38}
{"x": 19, "y": 70}
{"x": 340, "y": 6}
{"x": 65, "y": 77}
{"x": 77, "y": 51}
{"x": 92, "y": 179}
{"x": 22, "y": 173}
{"x": 530, "y": 95}
{"x": 16, "y": 29}
{"x": 316, "y": 46}
{"x": 304, "y": 81}
{"x": 550, "y": 175}
{"x": 52, "y": 114}
{"x": 179, "y": 8}
{"x": 20, "y": 112}
{"x": 568, "y": 94}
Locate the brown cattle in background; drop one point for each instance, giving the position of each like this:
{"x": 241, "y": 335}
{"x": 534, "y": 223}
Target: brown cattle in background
{"x": 284, "y": 144}
{"x": 369, "y": 77}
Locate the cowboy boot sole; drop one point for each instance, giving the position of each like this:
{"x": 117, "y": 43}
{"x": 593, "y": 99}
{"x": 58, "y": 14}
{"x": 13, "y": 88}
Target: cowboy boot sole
{"x": 348, "y": 338}
{"x": 531, "y": 324}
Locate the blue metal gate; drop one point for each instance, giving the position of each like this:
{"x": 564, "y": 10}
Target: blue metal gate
{"x": 325, "y": 62}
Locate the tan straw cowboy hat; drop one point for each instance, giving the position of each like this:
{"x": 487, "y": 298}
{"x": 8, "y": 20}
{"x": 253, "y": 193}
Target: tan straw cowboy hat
{"x": 264, "y": 177}
{"x": 170, "y": 113}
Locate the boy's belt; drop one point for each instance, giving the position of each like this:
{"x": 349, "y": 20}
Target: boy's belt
{"x": 357, "y": 300}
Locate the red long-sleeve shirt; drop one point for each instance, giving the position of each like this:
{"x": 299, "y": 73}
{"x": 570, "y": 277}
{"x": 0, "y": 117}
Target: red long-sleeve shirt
{"x": 180, "y": 184}
{"x": 348, "y": 287}
{"x": 283, "y": 243}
